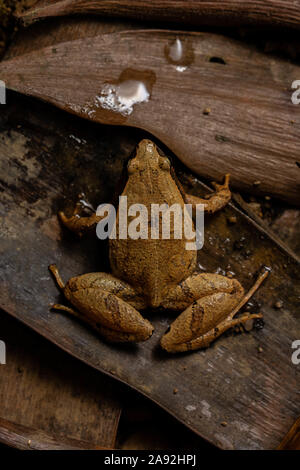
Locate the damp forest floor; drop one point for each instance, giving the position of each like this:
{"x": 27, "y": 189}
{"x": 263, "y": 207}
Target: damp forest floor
{"x": 8, "y": 22}
{"x": 143, "y": 425}
{"x": 280, "y": 217}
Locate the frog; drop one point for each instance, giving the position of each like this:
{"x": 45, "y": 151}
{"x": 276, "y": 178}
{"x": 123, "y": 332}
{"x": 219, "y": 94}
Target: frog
{"x": 155, "y": 273}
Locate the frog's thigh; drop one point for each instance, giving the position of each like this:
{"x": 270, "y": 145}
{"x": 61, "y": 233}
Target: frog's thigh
{"x": 190, "y": 330}
{"x": 108, "y": 283}
{"x": 100, "y": 300}
{"x": 200, "y": 285}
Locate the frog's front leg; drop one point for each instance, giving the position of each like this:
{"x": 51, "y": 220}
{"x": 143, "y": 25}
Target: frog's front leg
{"x": 206, "y": 318}
{"x": 107, "y": 304}
{"x": 77, "y": 223}
{"x": 214, "y": 201}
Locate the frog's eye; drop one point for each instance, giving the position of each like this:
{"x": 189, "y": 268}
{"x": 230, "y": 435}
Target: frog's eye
{"x": 164, "y": 163}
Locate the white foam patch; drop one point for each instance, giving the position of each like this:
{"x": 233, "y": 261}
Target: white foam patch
{"x": 122, "y": 98}
{"x": 180, "y": 68}
{"x": 205, "y": 409}
{"x": 190, "y": 408}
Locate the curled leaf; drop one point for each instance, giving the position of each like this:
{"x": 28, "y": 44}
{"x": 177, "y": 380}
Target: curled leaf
{"x": 219, "y": 105}
{"x": 196, "y": 12}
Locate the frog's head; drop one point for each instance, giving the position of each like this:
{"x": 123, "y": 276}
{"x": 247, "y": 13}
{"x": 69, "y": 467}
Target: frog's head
{"x": 148, "y": 157}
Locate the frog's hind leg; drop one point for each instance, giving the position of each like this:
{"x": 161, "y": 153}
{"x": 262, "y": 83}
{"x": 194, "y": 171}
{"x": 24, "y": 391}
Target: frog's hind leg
{"x": 109, "y": 334}
{"x": 107, "y": 304}
{"x": 200, "y": 285}
{"x": 206, "y": 319}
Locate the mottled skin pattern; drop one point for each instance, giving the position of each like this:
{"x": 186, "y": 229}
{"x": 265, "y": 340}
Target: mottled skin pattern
{"x": 155, "y": 272}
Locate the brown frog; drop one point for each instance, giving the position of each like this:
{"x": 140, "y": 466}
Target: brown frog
{"x": 155, "y": 272}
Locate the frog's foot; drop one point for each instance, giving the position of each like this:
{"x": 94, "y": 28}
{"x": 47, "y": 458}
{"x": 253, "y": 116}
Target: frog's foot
{"x": 206, "y": 319}
{"x": 54, "y": 271}
{"x": 214, "y": 201}
{"x": 203, "y": 341}
{"x": 224, "y": 186}
{"x": 99, "y": 300}
{"x": 79, "y": 224}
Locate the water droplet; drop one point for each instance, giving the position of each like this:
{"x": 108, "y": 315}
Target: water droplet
{"x": 201, "y": 267}
{"x": 221, "y": 271}
{"x": 85, "y": 204}
{"x": 180, "y": 53}
{"x": 77, "y": 139}
{"x": 175, "y": 51}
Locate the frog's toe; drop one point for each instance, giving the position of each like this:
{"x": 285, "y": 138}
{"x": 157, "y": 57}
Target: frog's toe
{"x": 226, "y": 180}
{"x": 225, "y": 185}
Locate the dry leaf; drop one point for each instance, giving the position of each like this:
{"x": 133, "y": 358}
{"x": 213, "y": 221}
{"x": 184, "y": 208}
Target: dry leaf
{"x": 196, "y": 12}
{"x": 50, "y": 159}
{"x": 164, "y": 82}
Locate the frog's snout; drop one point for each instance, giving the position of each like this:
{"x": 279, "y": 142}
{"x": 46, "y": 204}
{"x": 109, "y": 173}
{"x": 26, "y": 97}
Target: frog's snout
{"x": 146, "y": 146}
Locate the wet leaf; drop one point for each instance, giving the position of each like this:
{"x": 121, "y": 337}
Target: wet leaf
{"x": 247, "y": 380}
{"x": 219, "y": 105}
{"x": 196, "y": 12}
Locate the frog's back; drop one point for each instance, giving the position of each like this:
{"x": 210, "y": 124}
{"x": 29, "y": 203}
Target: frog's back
{"x": 152, "y": 266}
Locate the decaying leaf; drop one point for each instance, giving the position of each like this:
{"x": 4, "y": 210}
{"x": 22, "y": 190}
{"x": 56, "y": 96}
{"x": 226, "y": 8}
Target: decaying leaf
{"x": 224, "y": 13}
{"x": 219, "y": 105}
{"x": 246, "y": 380}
